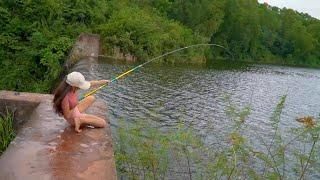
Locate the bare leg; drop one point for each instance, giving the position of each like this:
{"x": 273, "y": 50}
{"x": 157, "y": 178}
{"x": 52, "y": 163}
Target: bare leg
{"x": 86, "y": 103}
{"x": 89, "y": 119}
{"x": 77, "y": 124}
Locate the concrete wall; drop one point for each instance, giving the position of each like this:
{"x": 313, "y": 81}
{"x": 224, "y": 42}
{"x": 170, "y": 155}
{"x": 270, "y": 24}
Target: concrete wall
{"x": 87, "y": 45}
{"x": 20, "y": 105}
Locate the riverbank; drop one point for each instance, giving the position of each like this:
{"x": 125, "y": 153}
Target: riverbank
{"x": 231, "y": 64}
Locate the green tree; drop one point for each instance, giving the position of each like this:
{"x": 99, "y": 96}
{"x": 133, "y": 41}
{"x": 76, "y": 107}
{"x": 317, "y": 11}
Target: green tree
{"x": 144, "y": 35}
{"x": 203, "y": 16}
{"x": 240, "y": 29}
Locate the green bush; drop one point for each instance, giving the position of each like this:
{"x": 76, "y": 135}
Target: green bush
{"x": 36, "y": 37}
{"x": 7, "y": 132}
{"x": 145, "y": 34}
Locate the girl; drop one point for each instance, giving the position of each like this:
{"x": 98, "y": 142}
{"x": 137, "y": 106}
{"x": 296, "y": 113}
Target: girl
{"x": 66, "y": 103}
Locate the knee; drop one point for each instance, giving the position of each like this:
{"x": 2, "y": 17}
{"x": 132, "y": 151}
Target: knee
{"x": 103, "y": 123}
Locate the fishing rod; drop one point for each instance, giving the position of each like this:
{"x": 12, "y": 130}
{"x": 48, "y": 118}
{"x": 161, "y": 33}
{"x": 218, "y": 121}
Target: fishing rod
{"x": 145, "y": 63}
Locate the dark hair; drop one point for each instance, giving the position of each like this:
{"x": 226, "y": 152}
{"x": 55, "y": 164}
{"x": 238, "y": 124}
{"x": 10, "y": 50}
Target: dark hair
{"x": 59, "y": 93}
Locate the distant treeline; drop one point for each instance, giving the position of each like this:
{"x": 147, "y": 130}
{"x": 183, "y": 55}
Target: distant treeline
{"x": 36, "y": 35}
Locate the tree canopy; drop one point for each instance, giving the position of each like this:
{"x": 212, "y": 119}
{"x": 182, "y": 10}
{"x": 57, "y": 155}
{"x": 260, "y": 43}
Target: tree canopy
{"x": 36, "y": 35}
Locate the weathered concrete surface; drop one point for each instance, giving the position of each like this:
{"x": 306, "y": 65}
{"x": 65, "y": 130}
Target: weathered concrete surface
{"x": 87, "y": 45}
{"x": 46, "y": 147}
{"x": 21, "y": 106}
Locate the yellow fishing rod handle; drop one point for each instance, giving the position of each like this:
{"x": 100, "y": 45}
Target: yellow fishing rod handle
{"x": 97, "y": 89}
{"x": 93, "y": 91}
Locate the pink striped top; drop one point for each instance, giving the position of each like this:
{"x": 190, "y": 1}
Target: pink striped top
{"x": 69, "y": 102}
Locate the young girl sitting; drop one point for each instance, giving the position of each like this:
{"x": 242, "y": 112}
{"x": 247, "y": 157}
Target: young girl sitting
{"x": 66, "y": 104}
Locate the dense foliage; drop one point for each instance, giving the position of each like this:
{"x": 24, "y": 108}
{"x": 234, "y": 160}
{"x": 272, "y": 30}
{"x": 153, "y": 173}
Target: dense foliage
{"x": 252, "y": 31}
{"x": 141, "y": 33}
{"x": 36, "y": 35}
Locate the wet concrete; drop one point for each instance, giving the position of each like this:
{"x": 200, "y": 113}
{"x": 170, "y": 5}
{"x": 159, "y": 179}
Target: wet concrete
{"x": 46, "y": 147}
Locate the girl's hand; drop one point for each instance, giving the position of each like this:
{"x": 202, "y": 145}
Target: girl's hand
{"x": 98, "y": 82}
{"x": 104, "y": 81}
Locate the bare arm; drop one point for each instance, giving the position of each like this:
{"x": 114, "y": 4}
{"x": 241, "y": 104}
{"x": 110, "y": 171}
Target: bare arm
{"x": 98, "y": 83}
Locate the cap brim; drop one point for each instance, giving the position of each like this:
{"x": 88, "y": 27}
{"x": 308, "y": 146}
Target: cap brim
{"x": 86, "y": 85}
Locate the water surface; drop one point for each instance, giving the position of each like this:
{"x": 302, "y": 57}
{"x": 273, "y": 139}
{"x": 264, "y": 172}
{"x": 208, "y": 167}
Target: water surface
{"x": 166, "y": 95}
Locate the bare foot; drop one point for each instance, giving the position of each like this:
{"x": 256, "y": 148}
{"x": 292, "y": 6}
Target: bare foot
{"x": 77, "y": 124}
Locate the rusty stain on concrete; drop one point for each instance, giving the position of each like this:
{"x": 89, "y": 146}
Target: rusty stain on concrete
{"x": 46, "y": 147}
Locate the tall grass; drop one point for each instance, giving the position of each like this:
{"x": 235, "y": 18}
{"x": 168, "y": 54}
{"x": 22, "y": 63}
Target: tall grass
{"x": 143, "y": 151}
{"x": 7, "y": 133}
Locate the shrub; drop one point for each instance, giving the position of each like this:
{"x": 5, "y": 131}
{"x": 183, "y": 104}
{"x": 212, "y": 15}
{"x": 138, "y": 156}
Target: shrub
{"x": 7, "y": 133}
{"x": 144, "y": 34}
{"x": 143, "y": 151}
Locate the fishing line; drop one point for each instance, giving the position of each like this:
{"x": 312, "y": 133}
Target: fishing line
{"x": 147, "y": 62}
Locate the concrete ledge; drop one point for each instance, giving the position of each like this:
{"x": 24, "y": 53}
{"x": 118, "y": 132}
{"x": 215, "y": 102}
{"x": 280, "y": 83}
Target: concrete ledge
{"x": 46, "y": 147}
{"x": 21, "y": 105}
{"x": 87, "y": 45}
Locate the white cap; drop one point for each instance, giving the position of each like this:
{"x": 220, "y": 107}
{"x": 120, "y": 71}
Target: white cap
{"x": 76, "y": 79}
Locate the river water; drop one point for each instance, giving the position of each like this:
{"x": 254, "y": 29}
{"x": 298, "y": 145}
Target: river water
{"x": 167, "y": 95}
